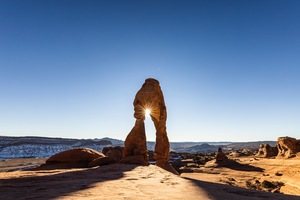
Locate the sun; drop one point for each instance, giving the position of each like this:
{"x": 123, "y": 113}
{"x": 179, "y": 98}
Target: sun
{"x": 147, "y": 111}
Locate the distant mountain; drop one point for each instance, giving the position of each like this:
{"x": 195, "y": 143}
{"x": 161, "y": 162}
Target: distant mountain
{"x": 202, "y": 148}
{"x": 19, "y": 147}
{"x": 182, "y": 146}
{"x": 236, "y": 146}
{"x": 115, "y": 142}
{"x": 248, "y": 145}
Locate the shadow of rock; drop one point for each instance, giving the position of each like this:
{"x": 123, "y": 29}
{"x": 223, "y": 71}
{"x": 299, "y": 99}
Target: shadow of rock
{"x": 48, "y": 187}
{"x": 231, "y": 164}
{"x": 65, "y": 165}
{"x": 244, "y": 167}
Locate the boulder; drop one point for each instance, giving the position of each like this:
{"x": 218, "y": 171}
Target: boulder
{"x": 235, "y": 154}
{"x": 221, "y": 157}
{"x": 151, "y": 155}
{"x": 102, "y": 161}
{"x": 266, "y": 151}
{"x": 77, "y": 157}
{"x": 116, "y": 152}
{"x": 287, "y": 147}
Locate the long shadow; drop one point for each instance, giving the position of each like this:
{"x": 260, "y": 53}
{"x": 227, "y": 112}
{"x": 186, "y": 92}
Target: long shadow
{"x": 48, "y": 187}
{"x": 243, "y": 167}
{"x": 217, "y": 191}
{"x": 232, "y": 164}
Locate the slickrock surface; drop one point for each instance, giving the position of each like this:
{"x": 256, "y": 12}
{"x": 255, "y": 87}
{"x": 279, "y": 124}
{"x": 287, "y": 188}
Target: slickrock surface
{"x": 119, "y": 181}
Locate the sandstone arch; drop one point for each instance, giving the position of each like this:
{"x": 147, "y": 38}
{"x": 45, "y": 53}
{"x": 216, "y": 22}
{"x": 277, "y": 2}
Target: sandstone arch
{"x": 149, "y": 97}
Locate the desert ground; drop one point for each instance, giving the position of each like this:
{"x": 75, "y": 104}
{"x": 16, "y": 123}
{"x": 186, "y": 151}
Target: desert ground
{"x": 7, "y": 165}
{"x": 122, "y": 181}
{"x": 254, "y": 171}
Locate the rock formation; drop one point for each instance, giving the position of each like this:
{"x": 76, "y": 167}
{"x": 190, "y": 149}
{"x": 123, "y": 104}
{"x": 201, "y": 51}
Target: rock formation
{"x": 235, "y": 154}
{"x": 72, "y": 158}
{"x": 221, "y": 157}
{"x": 116, "y": 152}
{"x": 220, "y": 161}
{"x": 266, "y": 151}
{"x": 102, "y": 161}
{"x": 287, "y": 147}
{"x": 75, "y": 155}
{"x": 135, "y": 145}
{"x": 76, "y": 158}
{"x": 149, "y": 97}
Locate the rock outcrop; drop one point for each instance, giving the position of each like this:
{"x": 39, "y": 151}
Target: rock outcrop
{"x": 235, "y": 154}
{"x": 75, "y": 155}
{"x": 149, "y": 97}
{"x": 115, "y": 152}
{"x": 76, "y": 158}
{"x": 287, "y": 147}
{"x": 221, "y": 157}
{"x": 220, "y": 161}
{"x": 102, "y": 161}
{"x": 266, "y": 151}
{"x": 73, "y": 158}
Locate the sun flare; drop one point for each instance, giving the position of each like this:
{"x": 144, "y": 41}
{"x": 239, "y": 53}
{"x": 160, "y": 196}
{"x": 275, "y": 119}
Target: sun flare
{"x": 147, "y": 112}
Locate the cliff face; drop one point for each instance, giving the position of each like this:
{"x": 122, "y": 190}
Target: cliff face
{"x": 21, "y": 147}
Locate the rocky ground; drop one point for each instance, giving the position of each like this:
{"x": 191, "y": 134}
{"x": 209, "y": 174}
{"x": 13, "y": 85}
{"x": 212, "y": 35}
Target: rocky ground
{"x": 247, "y": 178}
{"x": 265, "y": 174}
{"x": 120, "y": 181}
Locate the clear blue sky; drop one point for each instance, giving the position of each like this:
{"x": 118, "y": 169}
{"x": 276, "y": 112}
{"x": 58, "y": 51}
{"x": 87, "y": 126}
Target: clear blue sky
{"x": 229, "y": 70}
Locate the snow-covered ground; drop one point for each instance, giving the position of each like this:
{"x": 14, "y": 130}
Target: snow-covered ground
{"x": 23, "y": 147}
{"x": 39, "y": 150}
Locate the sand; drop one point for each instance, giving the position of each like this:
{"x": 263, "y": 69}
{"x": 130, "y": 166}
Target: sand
{"x": 120, "y": 181}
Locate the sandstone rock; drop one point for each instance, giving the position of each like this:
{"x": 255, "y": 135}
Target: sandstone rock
{"x": 148, "y": 97}
{"x": 266, "y": 151}
{"x": 221, "y": 157}
{"x": 102, "y": 161}
{"x": 276, "y": 190}
{"x": 116, "y": 152}
{"x": 151, "y": 156}
{"x": 235, "y": 154}
{"x": 177, "y": 164}
{"x": 163, "y": 163}
{"x": 135, "y": 159}
{"x": 135, "y": 143}
{"x": 287, "y": 147}
{"x": 221, "y": 160}
{"x": 260, "y": 152}
{"x": 77, "y": 157}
